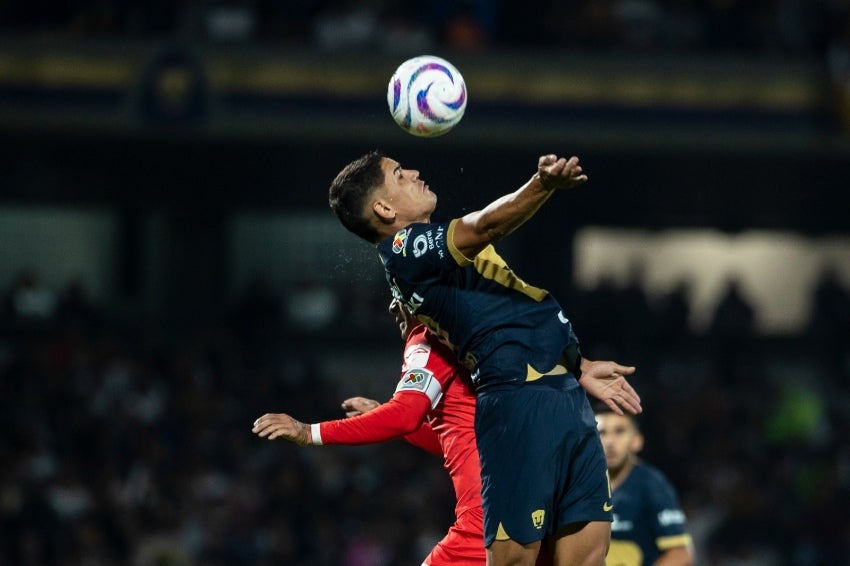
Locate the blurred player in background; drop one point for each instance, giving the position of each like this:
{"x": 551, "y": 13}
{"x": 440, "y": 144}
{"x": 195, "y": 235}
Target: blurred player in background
{"x": 542, "y": 465}
{"x": 649, "y": 525}
{"x": 433, "y": 408}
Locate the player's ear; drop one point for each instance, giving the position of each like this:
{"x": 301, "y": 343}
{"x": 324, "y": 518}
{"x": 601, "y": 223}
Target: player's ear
{"x": 637, "y": 443}
{"x": 383, "y": 211}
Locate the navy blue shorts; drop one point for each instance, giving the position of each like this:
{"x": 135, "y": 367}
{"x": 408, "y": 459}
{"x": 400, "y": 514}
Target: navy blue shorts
{"x": 542, "y": 464}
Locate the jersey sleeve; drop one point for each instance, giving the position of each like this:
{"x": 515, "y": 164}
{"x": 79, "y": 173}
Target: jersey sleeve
{"x": 668, "y": 518}
{"x": 401, "y": 415}
{"x": 426, "y": 439}
{"x": 426, "y": 369}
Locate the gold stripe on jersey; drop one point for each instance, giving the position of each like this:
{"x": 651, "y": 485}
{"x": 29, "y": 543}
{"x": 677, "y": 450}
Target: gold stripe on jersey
{"x": 666, "y": 543}
{"x": 491, "y": 266}
{"x": 461, "y": 259}
{"x": 624, "y": 553}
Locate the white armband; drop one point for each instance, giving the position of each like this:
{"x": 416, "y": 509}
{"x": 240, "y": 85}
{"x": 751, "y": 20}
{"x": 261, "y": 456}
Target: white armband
{"x": 316, "y": 432}
{"x": 422, "y": 380}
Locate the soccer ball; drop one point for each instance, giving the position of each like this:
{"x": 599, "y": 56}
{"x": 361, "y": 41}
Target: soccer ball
{"x": 427, "y": 96}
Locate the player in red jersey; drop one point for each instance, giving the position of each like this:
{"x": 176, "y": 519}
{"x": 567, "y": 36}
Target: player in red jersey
{"x": 434, "y": 408}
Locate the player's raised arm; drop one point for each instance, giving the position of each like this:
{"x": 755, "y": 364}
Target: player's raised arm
{"x": 475, "y": 231}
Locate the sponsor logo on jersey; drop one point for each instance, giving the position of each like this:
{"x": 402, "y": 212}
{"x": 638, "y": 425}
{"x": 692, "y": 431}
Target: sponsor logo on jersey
{"x": 415, "y": 379}
{"x": 438, "y": 241}
{"x": 417, "y": 356}
{"x": 420, "y": 245}
{"x": 425, "y": 242}
{"x": 669, "y": 517}
{"x": 400, "y": 240}
{"x": 607, "y": 506}
{"x": 537, "y": 518}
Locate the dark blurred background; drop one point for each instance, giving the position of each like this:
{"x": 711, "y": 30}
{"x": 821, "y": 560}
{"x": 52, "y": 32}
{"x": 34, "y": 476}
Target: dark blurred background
{"x": 170, "y": 269}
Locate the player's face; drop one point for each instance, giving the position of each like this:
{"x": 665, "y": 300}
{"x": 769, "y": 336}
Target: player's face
{"x": 409, "y": 196}
{"x": 403, "y": 318}
{"x": 620, "y": 439}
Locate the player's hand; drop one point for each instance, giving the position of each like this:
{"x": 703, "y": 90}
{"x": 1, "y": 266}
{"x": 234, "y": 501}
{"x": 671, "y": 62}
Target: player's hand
{"x": 358, "y": 405}
{"x": 281, "y": 425}
{"x": 559, "y": 172}
{"x": 606, "y": 381}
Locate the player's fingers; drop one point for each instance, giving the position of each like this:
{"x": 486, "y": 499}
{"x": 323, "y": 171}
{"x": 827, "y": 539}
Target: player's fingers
{"x": 261, "y": 431}
{"x": 277, "y": 433}
{"x": 613, "y": 406}
{"x": 559, "y": 166}
{"x": 630, "y": 391}
{"x": 261, "y": 419}
{"x": 546, "y": 160}
{"x": 632, "y": 402}
{"x": 269, "y": 417}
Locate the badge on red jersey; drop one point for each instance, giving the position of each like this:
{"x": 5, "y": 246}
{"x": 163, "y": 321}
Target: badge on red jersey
{"x": 422, "y": 380}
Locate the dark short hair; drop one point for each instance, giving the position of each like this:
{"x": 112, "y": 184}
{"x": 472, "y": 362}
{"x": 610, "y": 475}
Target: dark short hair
{"x": 600, "y": 408}
{"x": 350, "y": 189}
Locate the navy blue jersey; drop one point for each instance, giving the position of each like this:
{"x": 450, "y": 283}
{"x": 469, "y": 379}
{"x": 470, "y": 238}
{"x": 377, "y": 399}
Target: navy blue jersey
{"x": 502, "y": 329}
{"x": 647, "y": 519}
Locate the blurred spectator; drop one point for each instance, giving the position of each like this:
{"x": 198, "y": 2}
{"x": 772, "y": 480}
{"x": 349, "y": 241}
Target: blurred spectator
{"x": 29, "y": 300}
{"x": 673, "y": 312}
{"x": 74, "y": 308}
{"x": 830, "y": 309}
{"x": 347, "y": 24}
{"x": 636, "y": 323}
{"x": 734, "y": 316}
{"x": 404, "y": 30}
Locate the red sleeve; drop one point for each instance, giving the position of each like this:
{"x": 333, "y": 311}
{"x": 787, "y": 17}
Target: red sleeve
{"x": 400, "y": 416}
{"x": 426, "y": 439}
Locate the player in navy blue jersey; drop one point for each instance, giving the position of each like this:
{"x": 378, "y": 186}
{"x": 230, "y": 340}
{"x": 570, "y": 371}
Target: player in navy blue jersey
{"x": 649, "y": 526}
{"x": 542, "y": 465}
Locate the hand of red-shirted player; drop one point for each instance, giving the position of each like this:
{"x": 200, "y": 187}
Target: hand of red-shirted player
{"x": 281, "y": 425}
{"x": 356, "y": 406}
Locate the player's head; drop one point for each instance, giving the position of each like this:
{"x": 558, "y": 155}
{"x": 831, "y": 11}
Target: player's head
{"x": 374, "y": 197}
{"x": 621, "y": 437}
{"x": 403, "y": 318}
{"x": 352, "y": 189}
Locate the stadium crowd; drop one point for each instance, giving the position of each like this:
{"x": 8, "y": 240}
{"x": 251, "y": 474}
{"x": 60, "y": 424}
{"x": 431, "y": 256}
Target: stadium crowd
{"x": 120, "y": 446}
{"x": 768, "y": 27}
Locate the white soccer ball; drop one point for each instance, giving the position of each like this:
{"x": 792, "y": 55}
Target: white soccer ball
{"x": 427, "y": 96}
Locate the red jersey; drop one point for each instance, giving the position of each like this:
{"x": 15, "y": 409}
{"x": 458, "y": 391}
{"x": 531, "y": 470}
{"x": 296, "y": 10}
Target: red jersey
{"x": 434, "y": 408}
